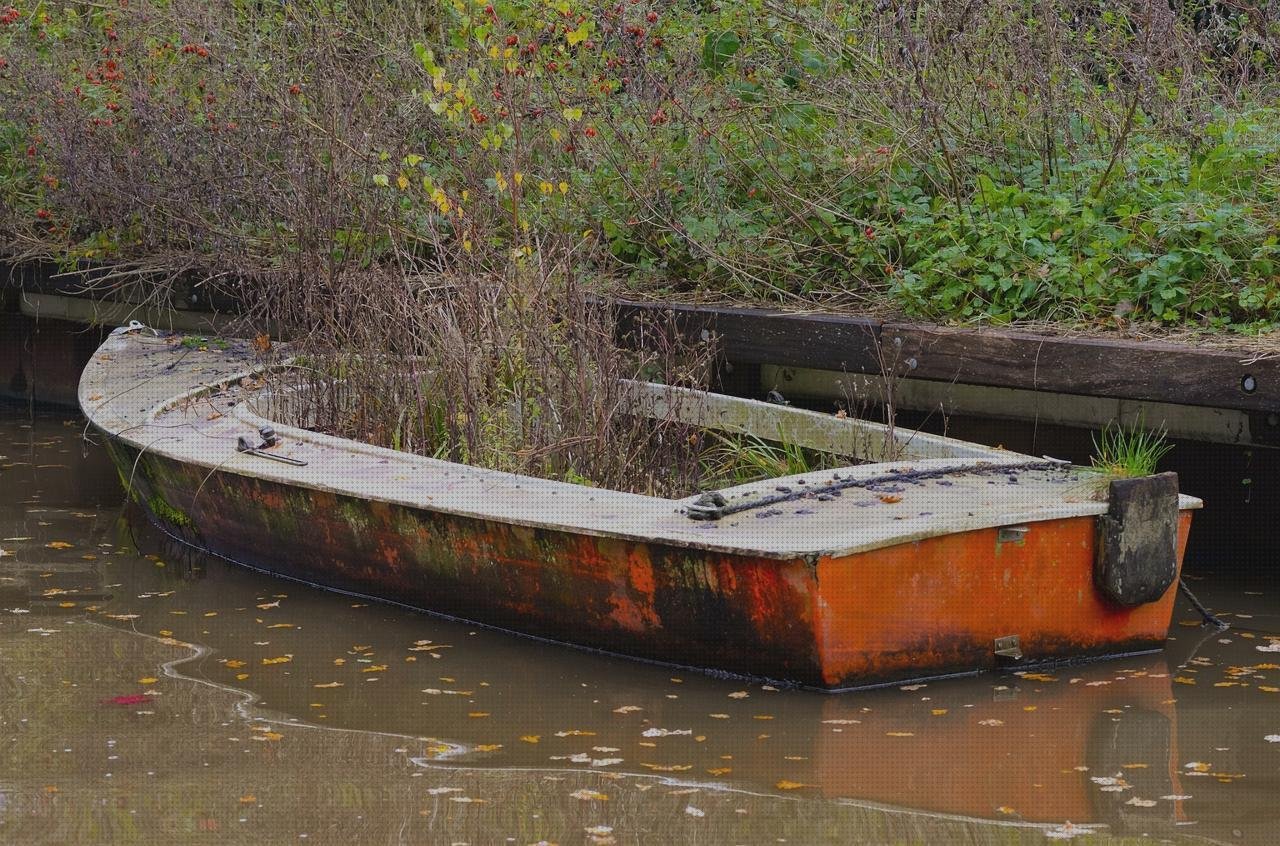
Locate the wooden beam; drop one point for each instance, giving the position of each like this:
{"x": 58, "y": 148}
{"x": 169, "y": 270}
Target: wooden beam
{"x": 757, "y": 336}
{"x": 1103, "y": 367}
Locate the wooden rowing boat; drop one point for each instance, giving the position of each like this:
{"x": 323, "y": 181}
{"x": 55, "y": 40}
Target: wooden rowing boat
{"x": 950, "y": 558}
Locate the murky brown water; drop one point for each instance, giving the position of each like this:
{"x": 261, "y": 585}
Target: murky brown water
{"x": 153, "y": 695}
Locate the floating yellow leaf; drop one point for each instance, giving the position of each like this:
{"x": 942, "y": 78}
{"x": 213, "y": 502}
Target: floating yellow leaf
{"x": 59, "y": 545}
{"x": 283, "y": 659}
{"x": 488, "y": 747}
{"x": 329, "y": 684}
{"x": 668, "y": 768}
{"x": 248, "y": 800}
{"x": 376, "y": 668}
{"x": 900, "y": 733}
{"x": 588, "y": 795}
{"x": 531, "y": 738}
{"x": 719, "y": 771}
{"x": 241, "y": 676}
{"x": 478, "y": 714}
{"x": 233, "y": 663}
{"x": 790, "y": 785}
{"x": 148, "y": 680}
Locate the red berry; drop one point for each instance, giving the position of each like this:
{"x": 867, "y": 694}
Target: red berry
{"x": 651, "y": 17}
{"x": 590, "y": 132}
{"x": 43, "y": 214}
{"x": 513, "y": 40}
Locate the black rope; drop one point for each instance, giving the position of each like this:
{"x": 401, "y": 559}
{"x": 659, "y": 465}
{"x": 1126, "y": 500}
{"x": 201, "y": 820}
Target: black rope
{"x": 713, "y": 505}
{"x": 1209, "y": 618}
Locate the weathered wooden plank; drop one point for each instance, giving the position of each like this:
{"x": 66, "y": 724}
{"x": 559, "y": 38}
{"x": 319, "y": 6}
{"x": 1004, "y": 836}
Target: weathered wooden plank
{"x": 1105, "y": 367}
{"x": 757, "y": 336}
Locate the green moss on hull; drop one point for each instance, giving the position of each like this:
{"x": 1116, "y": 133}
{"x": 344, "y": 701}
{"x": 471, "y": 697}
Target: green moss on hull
{"x": 167, "y": 512}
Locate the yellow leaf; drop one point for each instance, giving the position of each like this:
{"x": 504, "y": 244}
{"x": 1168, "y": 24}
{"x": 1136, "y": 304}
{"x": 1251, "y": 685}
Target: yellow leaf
{"x": 241, "y": 676}
{"x": 248, "y": 800}
{"x": 572, "y": 113}
{"x": 588, "y": 795}
{"x": 488, "y": 747}
{"x": 402, "y": 182}
{"x": 376, "y": 668}
{"x": 148, "y": 680}
{"x": 790, "y": 785}
{"x": 900, "y": 733}
{"x": 531, "y": 738}
{"x": 59, "y": 545}
{"x": 478, "y": 714}
{"x": 283, "y": 659}
{"x": 329, "y": 684}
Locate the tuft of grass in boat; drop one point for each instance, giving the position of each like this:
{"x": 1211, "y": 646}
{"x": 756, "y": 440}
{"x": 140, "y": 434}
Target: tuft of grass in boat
{"x": 1129, "y": 450}
{"x": 735, "y": 459}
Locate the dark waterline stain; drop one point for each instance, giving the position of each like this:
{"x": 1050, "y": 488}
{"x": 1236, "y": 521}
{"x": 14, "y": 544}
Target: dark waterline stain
{"x": 152, "y": 694}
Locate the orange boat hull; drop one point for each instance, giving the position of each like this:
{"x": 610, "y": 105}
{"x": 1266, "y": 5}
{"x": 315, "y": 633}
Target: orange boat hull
{"x": 916, "y": 610}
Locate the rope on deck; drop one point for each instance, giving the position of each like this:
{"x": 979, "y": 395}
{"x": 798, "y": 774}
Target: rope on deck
{"x": 713, "y": 505}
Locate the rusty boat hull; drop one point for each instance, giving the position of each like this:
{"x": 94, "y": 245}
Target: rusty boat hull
{"x": 807, "y": 604}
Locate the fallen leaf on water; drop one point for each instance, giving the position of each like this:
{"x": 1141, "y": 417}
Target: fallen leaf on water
{"x": 718, "y": 716}
{"x": 488, "y": 747}
{"x": 889, "y": 498}
{"x": 739, "y": 694}
{"x": 938, "y": 712}
{"x": 248, "y": 800}
{"x": 784, "y": 784}
{"x": 990, "y": 722}
{"x": 283, "y": 659}
{"x": 900, "y": 733}
{"x": 59, "y": 545}
{"x": 268, "y": 735}
{"x": 694, "y": 812}
{"x": 1135, "y": 766}
{"x": 841, "y": 722}
{"x": 667, "y": 768}
{"x": 130, "y": 699}
{"x": 588, "y": 795}
{"x": 1141, "y": 803}
{"x": 531, "y": 738}
{"x": 148, "y": 680}
{"x": 1176, "y": 797}
{"x": 233, "y": 663}
{"x": 268, "y": 605}
{"x": 436, "y": 791}
{"x": 627, "y": 709}
{"x": 1006, "y": 810}
{"x": 376, "y": 668}
{"x": 329, "y": 684}
{"x": 719, "y": 771}
{"x": 575, "y": 733}
{"x": 241, "y": 676}
{"x": 477, "y": 714}
{"x": 1272, "y": 738}
{"x": 1183, "y": 680}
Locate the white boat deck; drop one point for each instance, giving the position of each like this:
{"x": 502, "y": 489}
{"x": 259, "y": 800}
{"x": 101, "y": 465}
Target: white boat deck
{"x": 189, "y": 405}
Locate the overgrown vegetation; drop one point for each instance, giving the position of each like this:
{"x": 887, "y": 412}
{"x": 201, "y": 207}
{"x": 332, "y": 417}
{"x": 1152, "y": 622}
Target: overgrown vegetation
{"x": 1062, "y": 160}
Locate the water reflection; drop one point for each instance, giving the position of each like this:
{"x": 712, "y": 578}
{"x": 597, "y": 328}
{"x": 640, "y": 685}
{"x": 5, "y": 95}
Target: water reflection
{"x": 198, "y": 697}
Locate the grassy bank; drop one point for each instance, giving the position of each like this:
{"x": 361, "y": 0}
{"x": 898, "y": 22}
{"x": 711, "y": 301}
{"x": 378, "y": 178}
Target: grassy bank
{"x": 1065, "y": 161}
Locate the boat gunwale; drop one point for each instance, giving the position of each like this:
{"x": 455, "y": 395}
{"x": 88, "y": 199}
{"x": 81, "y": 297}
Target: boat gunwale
{"x": 660, "y": 534}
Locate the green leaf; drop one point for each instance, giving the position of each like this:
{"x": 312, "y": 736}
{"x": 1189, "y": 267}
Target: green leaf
{"x": 719, "y": 48}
